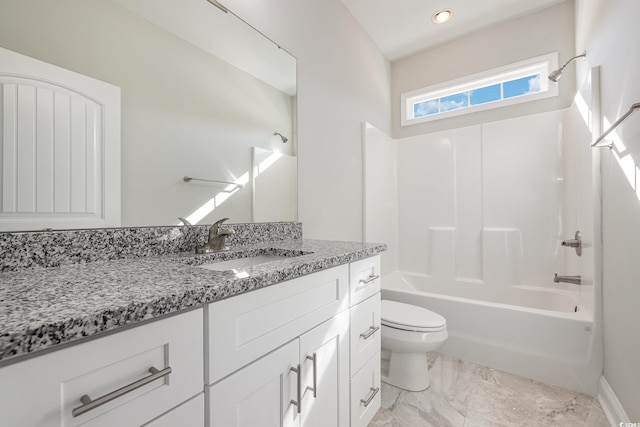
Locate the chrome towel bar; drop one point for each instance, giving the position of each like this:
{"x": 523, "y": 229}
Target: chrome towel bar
{"x": 631, "y": 110}
{"x": 188, "y": 178}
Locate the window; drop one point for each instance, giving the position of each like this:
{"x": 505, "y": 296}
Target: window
{"x": 512, "y": 84}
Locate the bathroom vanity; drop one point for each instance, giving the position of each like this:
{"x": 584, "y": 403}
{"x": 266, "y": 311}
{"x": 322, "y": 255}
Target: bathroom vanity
{"x": 288, "y": 342}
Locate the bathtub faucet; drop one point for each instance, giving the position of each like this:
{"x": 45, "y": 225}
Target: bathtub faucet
{"x": 576, "y": 280}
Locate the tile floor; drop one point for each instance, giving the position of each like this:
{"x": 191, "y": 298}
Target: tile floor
{"x": 464, "y": 394}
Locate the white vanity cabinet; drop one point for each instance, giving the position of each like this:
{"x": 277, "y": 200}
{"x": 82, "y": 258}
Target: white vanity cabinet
{"x": 165, "y": 355}
{"x": 271, "y": 349}
{"x": 279, "y": 356}
{"x": 303, "y": 383}
{"x": 365, "y": 339}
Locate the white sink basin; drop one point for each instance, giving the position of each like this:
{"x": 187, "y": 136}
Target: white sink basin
{"x": 240, "y": 263}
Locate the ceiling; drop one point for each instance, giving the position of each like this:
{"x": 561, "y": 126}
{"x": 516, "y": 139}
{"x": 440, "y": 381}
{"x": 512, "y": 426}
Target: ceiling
{"x": 403, "y": 27}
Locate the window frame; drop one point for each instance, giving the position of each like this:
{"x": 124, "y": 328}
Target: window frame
{"x": 543, "y": 64}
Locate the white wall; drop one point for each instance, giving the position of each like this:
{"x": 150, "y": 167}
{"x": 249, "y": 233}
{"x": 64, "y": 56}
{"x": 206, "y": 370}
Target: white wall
{"x": 274, "y": 180}
{"x": 549, "y": 30}
{"x": 343, "y": 81}
{"x": 381, "y": 194}
{"x": 608, "y": 30}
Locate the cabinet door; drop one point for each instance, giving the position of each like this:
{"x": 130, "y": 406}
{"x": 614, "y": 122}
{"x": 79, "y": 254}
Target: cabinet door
{"x": 325, "y": 386}
{"x": 258, "y": 395}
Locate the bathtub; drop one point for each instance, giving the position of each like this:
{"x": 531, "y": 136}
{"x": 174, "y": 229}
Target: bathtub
{"x": 542, "y": 333}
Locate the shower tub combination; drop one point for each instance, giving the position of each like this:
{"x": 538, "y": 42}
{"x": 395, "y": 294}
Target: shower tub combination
{"x": 541, "y": 333}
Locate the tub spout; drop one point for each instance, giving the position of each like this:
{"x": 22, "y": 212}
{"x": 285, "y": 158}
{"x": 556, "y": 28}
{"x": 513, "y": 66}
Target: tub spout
{"x": 576, "y": 280}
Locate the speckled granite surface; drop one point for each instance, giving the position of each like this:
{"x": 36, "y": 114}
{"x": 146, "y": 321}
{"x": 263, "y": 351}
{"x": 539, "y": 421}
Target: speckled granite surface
{"x": 53, "y": 249}
{"x": 43, "y": 307}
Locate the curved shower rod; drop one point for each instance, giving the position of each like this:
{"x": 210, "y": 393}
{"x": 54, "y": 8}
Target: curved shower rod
{"x": 631, "y": 110}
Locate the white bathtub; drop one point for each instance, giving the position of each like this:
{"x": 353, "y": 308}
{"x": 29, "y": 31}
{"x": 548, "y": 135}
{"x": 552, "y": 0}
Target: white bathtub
{"x": 538, "y": 332}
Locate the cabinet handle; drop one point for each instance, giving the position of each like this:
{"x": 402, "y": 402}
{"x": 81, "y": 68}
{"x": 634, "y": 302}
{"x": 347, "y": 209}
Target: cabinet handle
{"x": 369, "y": 279}
{"x": 375, "y": 391}
{"x": 314, "y": 358}
{"x": 88, "y": 404}
{"x": 298, "y": 402}
{"x": 372, "y": 330}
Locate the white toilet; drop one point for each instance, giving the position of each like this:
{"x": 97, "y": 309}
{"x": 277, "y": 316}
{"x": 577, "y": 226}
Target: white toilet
{"x": 408, "y": 333}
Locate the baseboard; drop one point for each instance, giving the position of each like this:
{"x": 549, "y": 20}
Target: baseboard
{"x": 610, "y": 404}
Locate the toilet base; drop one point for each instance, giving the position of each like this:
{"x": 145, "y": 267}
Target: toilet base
{"x": 408, "y": 371}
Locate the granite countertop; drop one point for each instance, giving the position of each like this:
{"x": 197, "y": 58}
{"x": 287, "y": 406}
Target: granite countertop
{"x": 41, "y": 308}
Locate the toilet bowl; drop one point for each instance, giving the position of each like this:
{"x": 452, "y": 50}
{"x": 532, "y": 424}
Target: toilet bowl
{"x": 408, "y": 333}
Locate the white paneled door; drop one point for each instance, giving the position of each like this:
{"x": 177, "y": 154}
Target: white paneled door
{"x": 60, "y": 147}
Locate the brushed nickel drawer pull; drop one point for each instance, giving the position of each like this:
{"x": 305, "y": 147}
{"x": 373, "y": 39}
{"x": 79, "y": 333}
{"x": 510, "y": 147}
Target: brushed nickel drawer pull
{"x": 375, "y": 391}
{"x": 372, "y": 330}
{"x": 298, "y": 402}
{"x": 370, "y": 279}
{"x": 314, "y": 358}
{"x": 88, "y": 404}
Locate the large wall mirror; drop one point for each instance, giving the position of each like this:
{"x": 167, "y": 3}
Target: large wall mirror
{"x": 202, "y": 95}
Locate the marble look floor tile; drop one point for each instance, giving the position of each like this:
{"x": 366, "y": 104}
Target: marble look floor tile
{"x": 464, "y": 394}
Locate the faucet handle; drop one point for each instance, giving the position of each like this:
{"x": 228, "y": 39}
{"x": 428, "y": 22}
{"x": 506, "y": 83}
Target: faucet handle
{"x": 215, "y": 228}
{"x": 219, "y": 222}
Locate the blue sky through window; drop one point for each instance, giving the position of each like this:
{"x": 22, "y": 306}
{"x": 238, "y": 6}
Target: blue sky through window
{"x": 510, "y": 84}
{"x": 426, "y": 108}
{"x": 485, "y": 94}
{"x": 453, "y": 102}
{"x": 522, "y": 86}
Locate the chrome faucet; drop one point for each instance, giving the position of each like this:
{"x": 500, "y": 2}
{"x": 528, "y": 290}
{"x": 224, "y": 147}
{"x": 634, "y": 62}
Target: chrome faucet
{"x": 576, "y": 280}
{"x": 217, "y": 238}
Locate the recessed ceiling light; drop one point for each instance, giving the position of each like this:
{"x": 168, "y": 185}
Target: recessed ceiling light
{"x": 442, "y": 16}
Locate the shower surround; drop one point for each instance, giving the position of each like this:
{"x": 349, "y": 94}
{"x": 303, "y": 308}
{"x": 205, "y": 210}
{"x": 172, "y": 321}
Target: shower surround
{"x": 485, "y": 208}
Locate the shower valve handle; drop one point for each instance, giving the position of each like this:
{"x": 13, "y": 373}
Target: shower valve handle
{"x": 574, "y": 243}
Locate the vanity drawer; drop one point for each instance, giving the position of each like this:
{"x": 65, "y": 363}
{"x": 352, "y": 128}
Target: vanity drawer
{"x": 365, "y": 393}
{"x": 245, "y": 327}
{"x": 45, "y": 390}
{"x": 364, "y": 279}
{"x": 365, "y": 333}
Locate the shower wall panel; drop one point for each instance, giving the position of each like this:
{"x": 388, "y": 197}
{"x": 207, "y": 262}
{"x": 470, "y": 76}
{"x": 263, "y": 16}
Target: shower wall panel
{"x": 483, "y": 203}
{"x": 523, "y": 187}
{"x": 426, "y": 199}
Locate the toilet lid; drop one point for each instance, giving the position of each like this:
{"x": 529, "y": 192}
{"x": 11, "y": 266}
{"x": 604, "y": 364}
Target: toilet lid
{"x": 410, "y": 317}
